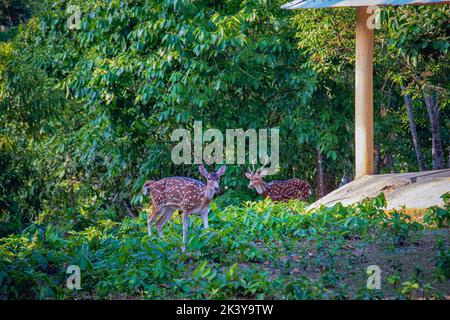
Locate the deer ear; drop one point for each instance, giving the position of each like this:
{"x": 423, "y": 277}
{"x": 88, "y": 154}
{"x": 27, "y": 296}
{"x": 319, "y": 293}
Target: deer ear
{"x": 262, "y": 173}
{"x": 248, "y": 175}
{"x": 221, "y": 171}
{"x": 146, "y": 187}
{"x": 203, "y": 171}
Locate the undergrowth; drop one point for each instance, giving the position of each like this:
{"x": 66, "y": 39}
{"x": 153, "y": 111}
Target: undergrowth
{"x": 254, "y": 250}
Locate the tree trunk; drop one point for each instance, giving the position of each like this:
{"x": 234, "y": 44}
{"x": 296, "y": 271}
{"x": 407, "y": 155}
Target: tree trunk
{"x": 329, "y": 183}
{"x": 389, "y": 159}
{"x": 320, "y": 186}
{"x": 377, "y": 159}
{"x": 437, "y": 151}
{"x": 412, "y": 126}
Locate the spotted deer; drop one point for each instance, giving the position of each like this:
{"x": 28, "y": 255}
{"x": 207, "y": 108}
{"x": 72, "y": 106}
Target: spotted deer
{"x": 187, "y": 195}
{"x": 278, "y": 190}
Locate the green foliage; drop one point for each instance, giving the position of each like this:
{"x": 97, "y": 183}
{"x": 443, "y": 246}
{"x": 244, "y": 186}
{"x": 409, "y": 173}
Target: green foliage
{"x": 443, "y": 261}
{"x": 86, "y": 117}
{"x": 108, "y": 96}
{"x": 12, "y": 13}
{"x": 232, "y": 260}
{"x": 438, "y": 217}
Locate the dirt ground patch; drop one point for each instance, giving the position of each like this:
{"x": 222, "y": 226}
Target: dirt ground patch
{"x": 345, "y": 265}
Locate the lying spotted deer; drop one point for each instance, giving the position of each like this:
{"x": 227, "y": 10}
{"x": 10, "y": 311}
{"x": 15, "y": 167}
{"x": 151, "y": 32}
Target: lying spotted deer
{"x": 278, "y": 190}
{"x": 188, "y": 195}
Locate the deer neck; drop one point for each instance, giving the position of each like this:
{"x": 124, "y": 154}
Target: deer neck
{"x": 207, "y": 196}
{"x": 263, "y": 189}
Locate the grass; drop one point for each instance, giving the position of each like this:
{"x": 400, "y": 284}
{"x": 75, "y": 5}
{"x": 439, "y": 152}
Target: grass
{"x": 253, "y": 250}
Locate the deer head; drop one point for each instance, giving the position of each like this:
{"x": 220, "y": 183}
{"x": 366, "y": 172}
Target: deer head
{"x": 212, "y": 180}
{"x": 255, "y": 178}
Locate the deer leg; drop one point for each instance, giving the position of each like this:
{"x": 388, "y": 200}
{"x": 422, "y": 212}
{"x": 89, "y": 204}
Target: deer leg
{"x": 159, "y": 223}
{"x": 205, "y": 219}
{"x": 167, "y": 213}
{"x": 185, "y": 229}
{"x": 150, "y": 219}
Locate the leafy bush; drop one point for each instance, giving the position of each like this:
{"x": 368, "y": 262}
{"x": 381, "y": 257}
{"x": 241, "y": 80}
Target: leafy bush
{"x": 438, "y": 217}
{"x": 254, "y": 250}
{"x": 443, "y": 261}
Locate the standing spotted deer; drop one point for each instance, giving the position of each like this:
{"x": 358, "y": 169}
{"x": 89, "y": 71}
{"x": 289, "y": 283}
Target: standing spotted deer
{"x": 278, "y": 190}
{"x": 188, "y": 195}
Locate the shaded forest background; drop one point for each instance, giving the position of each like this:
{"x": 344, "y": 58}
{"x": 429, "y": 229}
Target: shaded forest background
{"x": 86, "y": 115}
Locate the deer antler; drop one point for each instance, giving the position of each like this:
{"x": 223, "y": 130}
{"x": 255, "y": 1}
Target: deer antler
{"x": 252, "y": 161}
{"x": 265, "y": 163}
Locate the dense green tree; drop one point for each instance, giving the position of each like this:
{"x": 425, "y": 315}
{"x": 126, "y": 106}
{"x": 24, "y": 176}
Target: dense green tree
{"x": 87, "y": 113}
